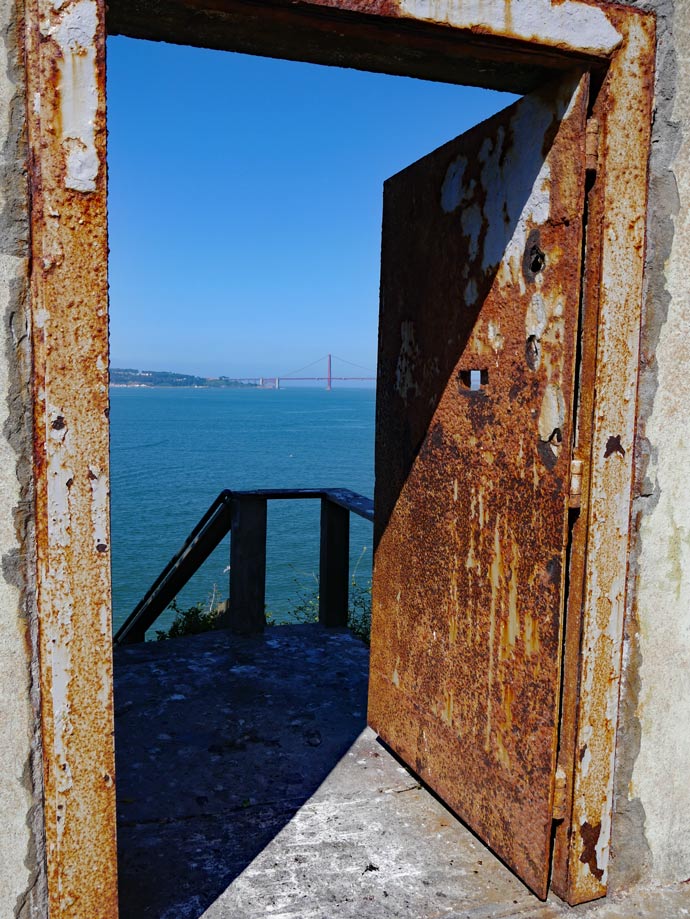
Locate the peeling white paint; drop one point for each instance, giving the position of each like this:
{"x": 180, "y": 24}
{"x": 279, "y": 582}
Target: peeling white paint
{"x": 454, "y": 190}
{"x": 535, "y": 213}
{"x": 495, "y": 336}
{"x": 60, "y": 478}
{"x": 471, "y": 223}
{"x": 82, "y": 165}
{"x": 552, "y": 414}
{"x": 78, "y": 82}
{"x": 586, "y": 760}
{"x": 535, "y": 317}
{"x": 405, "y": 383}
{"x": 60, "y": 633}
{"x": 99, "y": 507}
{"x": 471, "y": 292}
{"x": 516, "y": 183}
{"x": 567, "y": 24}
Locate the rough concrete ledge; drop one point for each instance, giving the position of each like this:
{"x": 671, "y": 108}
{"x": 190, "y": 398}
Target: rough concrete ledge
{"x": 23, "y": 892}
{"x": 249, "y": 787}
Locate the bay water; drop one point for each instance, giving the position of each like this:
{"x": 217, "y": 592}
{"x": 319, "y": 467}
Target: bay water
{"x": 174, "y": 450}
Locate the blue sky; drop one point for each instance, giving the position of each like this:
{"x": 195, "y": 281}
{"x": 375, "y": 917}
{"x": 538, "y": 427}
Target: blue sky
{"x": 245, "y": 203}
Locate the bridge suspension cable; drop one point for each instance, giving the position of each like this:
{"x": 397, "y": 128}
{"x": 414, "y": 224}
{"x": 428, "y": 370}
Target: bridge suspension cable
{"x": 286, "y": 376}
{"x": 351, "y": 364}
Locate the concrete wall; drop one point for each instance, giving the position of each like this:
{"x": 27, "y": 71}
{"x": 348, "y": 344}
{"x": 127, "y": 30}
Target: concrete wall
{"x": 652, "y": 812}
{"x": 22, "y": 881}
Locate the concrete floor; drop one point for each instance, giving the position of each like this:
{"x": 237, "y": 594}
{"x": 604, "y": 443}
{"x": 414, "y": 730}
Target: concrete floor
{"x": 250, "y": 787}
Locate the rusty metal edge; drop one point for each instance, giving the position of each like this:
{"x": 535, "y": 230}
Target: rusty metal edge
{"x": 541, "y": 31}
{"x": 578, "y": 548}
{"x": 614, "y": 285}
{"x": 65, "y": 67}
{"x": 374, "y": 35}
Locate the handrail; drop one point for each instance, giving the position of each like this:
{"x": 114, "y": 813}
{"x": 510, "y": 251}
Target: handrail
{"x": 206, "y": 535}
{"x": 243, "y": 513}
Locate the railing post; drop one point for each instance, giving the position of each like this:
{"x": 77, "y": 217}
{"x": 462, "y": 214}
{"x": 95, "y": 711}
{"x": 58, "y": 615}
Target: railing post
{"x": 246, "y": 609}
{"x": 334, "y": 564}
{"x": 135, "y": 635}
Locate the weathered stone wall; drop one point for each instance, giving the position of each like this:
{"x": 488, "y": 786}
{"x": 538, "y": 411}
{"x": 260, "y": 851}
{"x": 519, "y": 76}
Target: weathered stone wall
{"x": 651, "y": 838}
{"x": 22, "y": 882}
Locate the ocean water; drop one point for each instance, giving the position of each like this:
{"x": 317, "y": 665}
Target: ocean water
{"x": 174, "y": 450}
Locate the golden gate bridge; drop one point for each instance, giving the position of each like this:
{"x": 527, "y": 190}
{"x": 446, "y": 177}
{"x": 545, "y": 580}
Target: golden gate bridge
{"x": 328, "y": 379}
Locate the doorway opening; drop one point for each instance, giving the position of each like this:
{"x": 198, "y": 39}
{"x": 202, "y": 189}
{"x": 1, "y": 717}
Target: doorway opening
{"x": 209, "y": 282}
{"x": 244, "y": 220}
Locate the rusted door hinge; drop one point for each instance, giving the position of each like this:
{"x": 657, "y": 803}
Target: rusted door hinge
{"x": 592, "y": 145}
{"x": 575, "y": 496}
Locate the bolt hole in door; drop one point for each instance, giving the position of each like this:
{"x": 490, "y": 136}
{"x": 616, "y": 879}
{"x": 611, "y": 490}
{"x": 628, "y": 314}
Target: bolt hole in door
{"x": 537, "y": 260}
{"x": 472, "y": 380}
{"x": 534, "y": 257}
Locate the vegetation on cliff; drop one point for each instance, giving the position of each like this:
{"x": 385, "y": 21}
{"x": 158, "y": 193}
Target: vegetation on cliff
{"x": 130, "y": 377}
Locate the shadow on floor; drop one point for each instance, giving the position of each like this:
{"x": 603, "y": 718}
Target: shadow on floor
{"x": 219, "y": 742}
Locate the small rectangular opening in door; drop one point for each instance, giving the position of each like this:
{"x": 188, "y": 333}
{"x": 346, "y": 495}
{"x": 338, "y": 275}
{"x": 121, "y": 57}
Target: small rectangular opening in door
{"x": 473, "y": 380}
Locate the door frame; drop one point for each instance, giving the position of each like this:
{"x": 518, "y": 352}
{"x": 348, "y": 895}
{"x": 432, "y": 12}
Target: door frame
{"x": 514, "y": 46}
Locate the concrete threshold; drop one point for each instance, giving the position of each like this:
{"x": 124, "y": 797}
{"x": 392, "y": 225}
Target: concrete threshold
{"x": 249, "y": 786}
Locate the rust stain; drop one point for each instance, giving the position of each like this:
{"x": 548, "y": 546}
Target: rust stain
{"x": 481, "y": 250}
{"x": 65, "y": 65}
{"x": 613, "y": 445}
{"x": 588, "y": 856}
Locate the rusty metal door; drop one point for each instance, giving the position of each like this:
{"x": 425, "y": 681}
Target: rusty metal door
{"x": 480, "y": 289}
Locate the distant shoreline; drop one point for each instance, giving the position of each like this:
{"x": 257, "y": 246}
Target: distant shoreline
{"x": 129, "y": 378}
{"x": 183, "y": 386}
{"x": 252, "y": 387}
{"x": 165, "y": 379}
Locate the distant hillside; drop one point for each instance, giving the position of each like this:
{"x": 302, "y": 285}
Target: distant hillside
{"x": 129, "y": 377}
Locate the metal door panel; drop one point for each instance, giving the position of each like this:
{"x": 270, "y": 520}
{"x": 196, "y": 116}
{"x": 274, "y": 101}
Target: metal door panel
{"x": 481, "y": 265}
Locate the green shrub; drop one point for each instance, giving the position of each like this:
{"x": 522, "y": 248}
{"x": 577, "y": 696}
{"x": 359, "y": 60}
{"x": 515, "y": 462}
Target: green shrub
{"x": 306, "y": 608}
{"x": 359, "y": 613}
{"x": 204, "y": 617}
{"x": 192, "y": 621}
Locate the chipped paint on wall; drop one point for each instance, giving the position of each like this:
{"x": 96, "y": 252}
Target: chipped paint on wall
{"x": 74, "y": 34}
{"x": 558, "y": 24}
{"x": 659, "y": 777}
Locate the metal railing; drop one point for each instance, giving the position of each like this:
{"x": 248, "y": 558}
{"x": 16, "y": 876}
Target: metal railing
{"x": 243, "y": 515}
